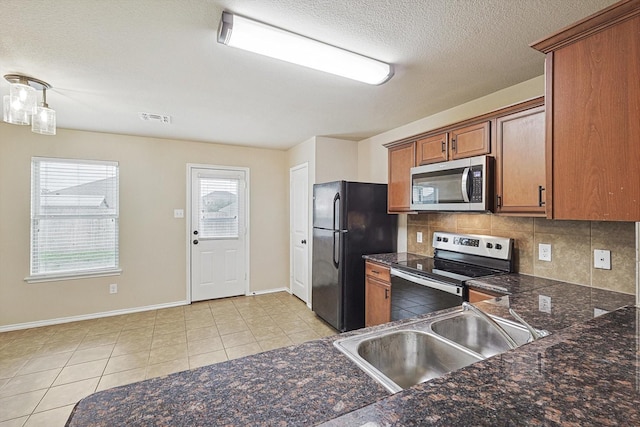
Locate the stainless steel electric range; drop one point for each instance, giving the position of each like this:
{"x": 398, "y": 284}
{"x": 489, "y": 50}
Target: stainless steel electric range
{"x": 428, "y": 284}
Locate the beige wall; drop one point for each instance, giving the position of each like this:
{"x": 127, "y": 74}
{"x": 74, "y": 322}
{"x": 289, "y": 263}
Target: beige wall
{"x": 152, "y": 242}
{"x": 572, "y": 244}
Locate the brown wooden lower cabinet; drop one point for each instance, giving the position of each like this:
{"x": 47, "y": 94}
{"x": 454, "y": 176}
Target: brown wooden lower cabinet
{"x": 477, "y": 296}
{"x": 377, "y": 306}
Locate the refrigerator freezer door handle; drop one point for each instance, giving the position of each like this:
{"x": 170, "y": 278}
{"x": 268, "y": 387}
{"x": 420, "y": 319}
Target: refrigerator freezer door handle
{"x": 336, "y": 201}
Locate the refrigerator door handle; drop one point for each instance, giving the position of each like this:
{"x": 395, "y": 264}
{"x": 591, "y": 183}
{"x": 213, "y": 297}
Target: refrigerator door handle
{"x": 336, "y": 203}
{"x": 336, "y": 249}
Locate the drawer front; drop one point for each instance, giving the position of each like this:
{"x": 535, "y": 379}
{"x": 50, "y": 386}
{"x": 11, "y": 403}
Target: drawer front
{"x": 378, "y": 271}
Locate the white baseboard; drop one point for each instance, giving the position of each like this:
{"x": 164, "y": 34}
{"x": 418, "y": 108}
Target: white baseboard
{"x": 61, "y": 320}
{"x": 270, "y": 291}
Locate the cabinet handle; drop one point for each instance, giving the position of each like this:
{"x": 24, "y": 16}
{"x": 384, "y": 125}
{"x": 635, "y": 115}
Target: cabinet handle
{"x": 499, "y": 201}
{"x": 386, "y": 294}
{"x": 540, "y": 190}
{"x": 453, "y": 144}
{"x": 375, "y": 272}
{"x": 444, "y": 148}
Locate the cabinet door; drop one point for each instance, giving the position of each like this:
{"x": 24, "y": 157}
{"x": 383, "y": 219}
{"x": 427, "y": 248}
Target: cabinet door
{"x": 477, "y": 296}
{"x": 377, "y": 302}
{"x": 401, "y": 159}
{"x": 470, "y": 141}
{"x": 520, "y": 162}
{"x": 594, "y": 131}
{"x": 432, "y": 149}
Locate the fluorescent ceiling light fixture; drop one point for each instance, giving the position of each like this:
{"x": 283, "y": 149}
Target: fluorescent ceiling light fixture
{"x": 243, "y": 33}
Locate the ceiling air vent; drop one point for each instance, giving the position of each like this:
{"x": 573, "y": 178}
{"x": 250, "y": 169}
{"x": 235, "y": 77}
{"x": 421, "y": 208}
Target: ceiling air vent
{"x": 150, "y": 117}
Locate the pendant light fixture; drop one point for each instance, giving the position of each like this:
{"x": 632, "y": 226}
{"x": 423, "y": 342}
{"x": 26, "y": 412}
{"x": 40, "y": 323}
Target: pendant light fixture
{"x": 244, "y": 33}
{"x": 20, "y": 106}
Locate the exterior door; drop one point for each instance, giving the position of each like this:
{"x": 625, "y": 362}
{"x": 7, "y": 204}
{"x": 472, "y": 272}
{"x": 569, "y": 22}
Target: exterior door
{"x": 299, "y": 190}
{"x": 218, "y": 233}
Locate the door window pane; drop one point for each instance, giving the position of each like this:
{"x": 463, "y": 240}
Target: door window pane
{"x": 218, "y": 216}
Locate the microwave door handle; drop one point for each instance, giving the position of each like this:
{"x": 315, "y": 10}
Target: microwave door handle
{"x": 465, "y": 185}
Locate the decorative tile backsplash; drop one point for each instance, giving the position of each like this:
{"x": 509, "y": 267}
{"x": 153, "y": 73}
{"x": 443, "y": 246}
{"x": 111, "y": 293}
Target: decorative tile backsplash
{"x": 572, "y": 244}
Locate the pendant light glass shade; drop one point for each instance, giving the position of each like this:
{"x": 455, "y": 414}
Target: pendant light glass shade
{"x": 23, "y": 97}
{"x": 20, "y": 106}
{"x": 13, "y": 115}
{"x": 44, "y": 121}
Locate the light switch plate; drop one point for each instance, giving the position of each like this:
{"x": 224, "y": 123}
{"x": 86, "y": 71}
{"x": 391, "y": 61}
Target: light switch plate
{"x": 544, "y": 252}
{"x": 178, "y": 213}
{"x": 602, "y": 259}
{"x": 419, "y": 237}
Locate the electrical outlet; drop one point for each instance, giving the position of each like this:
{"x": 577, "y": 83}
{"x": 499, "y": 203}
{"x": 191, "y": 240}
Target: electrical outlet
{"x": 544, "y": 252}
{"x": 544, "y": 304}
{"x": 113, "y": 288}
{"x": 178, "y": 213}
{"x": 419, "y": 237}
{"x": 602, "y": 259}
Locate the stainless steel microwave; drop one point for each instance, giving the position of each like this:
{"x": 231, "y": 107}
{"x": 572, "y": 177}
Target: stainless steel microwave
{"x": 458, "y": 185}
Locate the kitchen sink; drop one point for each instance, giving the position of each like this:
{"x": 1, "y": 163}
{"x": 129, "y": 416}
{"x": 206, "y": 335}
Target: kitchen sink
{"x": 399, "y": 357}
{"x": 411, "y": 357}
{"x": 478, "y": 335}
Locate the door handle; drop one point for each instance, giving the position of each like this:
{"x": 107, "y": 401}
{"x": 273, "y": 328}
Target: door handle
{"x": 336, "y": 253}
{"x": 540, "y": 190}
{"x": 304, "y": 242}
{"x": 195, "y": 242}
{"x": 464, "y": 187}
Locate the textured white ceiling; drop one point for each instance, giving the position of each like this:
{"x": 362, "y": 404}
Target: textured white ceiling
{"x": 108, "y": 60}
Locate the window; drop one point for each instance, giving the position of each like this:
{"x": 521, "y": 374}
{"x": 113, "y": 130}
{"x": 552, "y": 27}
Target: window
{"x": 218, "y": 217}
{"x": 74, "y": 217}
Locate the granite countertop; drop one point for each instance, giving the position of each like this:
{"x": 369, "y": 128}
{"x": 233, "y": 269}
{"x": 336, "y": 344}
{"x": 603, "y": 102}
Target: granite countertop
{"x": 299, "y": 385}
{"x": 584, "y": 374}
{"x": 388, "y": 259}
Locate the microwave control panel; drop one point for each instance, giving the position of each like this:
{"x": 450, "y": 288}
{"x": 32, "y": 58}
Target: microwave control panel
{"x": 476, "y": 185}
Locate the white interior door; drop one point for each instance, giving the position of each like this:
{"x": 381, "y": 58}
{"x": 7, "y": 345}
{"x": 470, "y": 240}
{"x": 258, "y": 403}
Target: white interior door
{"x": 299, "y": 223}
{"x": 218, "y": 233}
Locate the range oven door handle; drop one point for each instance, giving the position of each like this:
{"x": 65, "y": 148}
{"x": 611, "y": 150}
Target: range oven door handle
{"x": 452, "y": 289}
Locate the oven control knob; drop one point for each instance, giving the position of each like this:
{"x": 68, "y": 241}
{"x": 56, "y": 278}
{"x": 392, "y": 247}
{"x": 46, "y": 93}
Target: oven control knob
{"x": 489, "y": 245}
{"x": 438, "y": 239}
{"x": 445, "y": 239}
{"x": 498, "y": 246}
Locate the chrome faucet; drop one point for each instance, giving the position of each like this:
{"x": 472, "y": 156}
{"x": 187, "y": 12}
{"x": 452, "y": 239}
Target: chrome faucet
{"x": 535, "y": 333}
{"x": 510, "y": 341}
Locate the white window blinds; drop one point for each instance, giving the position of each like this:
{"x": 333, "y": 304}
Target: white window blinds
{"x": 74, "y": 216}
{"x": 218, "y": 208}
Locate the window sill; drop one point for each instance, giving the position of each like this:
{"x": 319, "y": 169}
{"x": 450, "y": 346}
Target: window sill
{"x": 72, "y": 276}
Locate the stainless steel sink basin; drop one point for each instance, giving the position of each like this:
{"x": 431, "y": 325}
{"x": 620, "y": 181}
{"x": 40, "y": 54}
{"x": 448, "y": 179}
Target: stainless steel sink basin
{"x": 478, "y": 335}
{"x": 402, "y": 356}
{"x": 411, "y": 357}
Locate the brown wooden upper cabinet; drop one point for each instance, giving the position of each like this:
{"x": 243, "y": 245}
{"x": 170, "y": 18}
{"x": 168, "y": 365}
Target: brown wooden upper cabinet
{"x": 401, "y": 159}
{"x": 467, "y": 141}
{"x": 432, "y": 149}
{"x": 520, "y": 163}
{"x": 470, "y": 141}
{"x": 592, "y": 121}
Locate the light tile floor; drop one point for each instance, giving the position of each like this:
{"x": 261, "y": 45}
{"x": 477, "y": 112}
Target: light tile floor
{"x": 45, "y": 371}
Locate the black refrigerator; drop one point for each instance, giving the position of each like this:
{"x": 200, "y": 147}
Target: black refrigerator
{"x": 350, "y": 219}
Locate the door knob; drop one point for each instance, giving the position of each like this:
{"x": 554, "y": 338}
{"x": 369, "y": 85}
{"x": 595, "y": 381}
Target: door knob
{"x": 195, "y": 242}
{"x": 304, "y": 242}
